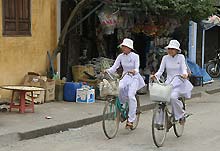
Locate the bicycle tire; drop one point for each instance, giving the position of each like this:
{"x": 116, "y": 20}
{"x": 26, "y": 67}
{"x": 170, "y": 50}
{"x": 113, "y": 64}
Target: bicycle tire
{"x": 138, "y": 112}
{"x": 110, "y": 122}
{"x": 209, "y": 67}
{"x": 159, "y": 133}
{"x": 177, "y": 127}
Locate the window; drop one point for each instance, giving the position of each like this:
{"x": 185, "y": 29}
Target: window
{"x": 16, "y": 17}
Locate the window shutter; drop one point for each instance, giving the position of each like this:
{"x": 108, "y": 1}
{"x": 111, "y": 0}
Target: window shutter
{"x": 23, "y": 16}
{"x": 9, "y": 16}
{"x": 16, "y": 17}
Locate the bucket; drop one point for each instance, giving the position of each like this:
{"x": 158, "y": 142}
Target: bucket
{"x": 69, "y": 90}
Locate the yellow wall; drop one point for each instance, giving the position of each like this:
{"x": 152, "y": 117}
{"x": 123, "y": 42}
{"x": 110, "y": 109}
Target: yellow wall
{"x": 18, "y": 55}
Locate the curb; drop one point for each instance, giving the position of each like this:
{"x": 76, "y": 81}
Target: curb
{"x": 59, "y": 128}
{"x": 212, "y": 91}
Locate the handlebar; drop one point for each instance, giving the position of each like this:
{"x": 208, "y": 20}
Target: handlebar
{"x": 110, "y": 75}
{"x": 178, "y": 75}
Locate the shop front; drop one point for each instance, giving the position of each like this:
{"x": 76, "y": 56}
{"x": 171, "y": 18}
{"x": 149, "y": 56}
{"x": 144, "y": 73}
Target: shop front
{"x": 100, "y": 27}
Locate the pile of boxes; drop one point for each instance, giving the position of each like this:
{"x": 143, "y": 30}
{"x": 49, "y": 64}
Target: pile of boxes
{"x": 43, "y": 82}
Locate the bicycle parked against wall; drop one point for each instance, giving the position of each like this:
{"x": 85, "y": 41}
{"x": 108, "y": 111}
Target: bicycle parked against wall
{"x": 114, "y": 112}
{"x": 163, "y": 120}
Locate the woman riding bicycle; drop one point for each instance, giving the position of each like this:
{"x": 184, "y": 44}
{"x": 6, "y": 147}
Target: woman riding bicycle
{"x": 175, "y": 64}
{"x": 131, "y": 82}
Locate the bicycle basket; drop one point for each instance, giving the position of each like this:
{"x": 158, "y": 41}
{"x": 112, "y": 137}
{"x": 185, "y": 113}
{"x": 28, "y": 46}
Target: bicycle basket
{"x": 160, "y": 92}
{"x": 108, "y": 87}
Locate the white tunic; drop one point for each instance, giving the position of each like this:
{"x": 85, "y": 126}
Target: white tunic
{"x": 129, "y": 85}
{"x": 175, "y": 66}
{"x": 129, "y": 62}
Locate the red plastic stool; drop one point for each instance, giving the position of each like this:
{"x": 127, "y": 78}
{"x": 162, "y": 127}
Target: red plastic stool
{"x": 22, "y": 106}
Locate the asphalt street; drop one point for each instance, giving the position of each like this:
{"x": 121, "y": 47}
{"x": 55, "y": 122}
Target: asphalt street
{"x": 201, "y": 133}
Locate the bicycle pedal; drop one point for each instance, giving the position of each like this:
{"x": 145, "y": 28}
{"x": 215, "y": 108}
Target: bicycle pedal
{"x": 187, "y": 115}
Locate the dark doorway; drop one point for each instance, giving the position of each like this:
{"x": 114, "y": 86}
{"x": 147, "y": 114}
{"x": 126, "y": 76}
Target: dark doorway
{"x": 78, "y": 39}
{"x": 70, "y": 51}
{"x": 212, "y": 42}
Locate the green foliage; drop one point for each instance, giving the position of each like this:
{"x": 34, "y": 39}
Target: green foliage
{"x": 185, "y": 10}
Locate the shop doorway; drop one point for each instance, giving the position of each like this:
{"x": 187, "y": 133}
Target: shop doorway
{"x": 77, "y": 39}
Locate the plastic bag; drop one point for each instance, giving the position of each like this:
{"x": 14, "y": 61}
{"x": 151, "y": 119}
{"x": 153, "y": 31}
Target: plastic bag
{"x": 109, "y": 88}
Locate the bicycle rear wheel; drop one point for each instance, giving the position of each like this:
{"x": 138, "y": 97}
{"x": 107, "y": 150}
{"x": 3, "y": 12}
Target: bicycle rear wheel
{"x": 179, "y": 128}
{"x": 159, "y": 125}
{"x": 138, "y": 112}
{"x": 110, "y": 122}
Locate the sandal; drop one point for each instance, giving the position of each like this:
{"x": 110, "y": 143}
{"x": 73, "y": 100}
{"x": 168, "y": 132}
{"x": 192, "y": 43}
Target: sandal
{"x": 182, "y": 121}
{"x": 129, "y": 125}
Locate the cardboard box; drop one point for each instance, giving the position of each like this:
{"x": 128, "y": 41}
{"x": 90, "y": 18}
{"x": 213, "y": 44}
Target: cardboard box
{"x": 39, "y": 97}
{"x": 49, "y": 86}
{"x": 43, "y": 82}
{"x": 85, "y": 95}
{"x": 33, "y": 80}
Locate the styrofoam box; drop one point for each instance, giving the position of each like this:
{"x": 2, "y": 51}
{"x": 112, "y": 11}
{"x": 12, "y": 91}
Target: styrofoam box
{"x": 85, "y": 95}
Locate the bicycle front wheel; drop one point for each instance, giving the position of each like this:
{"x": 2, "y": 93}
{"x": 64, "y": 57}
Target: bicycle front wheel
{"x": 110, "y": 122}
{"x": 179, "y": 128}
{"x": 159, "y": 125}
{"x": 138, "y": 112}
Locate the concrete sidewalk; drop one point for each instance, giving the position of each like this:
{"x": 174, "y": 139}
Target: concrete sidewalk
{"x": 66, "y": 115}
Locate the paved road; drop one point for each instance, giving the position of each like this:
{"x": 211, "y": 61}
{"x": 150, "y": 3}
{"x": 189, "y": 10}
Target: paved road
{"x": 201, "y": 133}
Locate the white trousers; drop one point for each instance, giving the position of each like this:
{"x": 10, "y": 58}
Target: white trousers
{"x": 177, "y": 105}
{"x": 177, "y": 108}
{"x": 127, "y": 89}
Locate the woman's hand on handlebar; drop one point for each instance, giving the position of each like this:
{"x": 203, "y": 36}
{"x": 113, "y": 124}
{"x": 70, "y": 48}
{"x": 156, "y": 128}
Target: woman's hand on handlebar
{"x": 152, "y": 77}
{"x": 184, "y": 76}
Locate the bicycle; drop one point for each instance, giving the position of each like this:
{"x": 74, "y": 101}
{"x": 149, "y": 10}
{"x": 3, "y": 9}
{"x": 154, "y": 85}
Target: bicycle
{"x": 162, "y": 113}
{"x": 114, "y": 113}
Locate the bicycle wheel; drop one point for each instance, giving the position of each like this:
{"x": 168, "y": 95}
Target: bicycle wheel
{"x": 110, "y": 122}
{"x": 179, "y": 128}
{"x": 159, "y": 125}
{"x": 138, "y": 112}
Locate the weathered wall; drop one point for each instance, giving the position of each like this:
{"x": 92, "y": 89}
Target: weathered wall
{"x": 18, "y": 55}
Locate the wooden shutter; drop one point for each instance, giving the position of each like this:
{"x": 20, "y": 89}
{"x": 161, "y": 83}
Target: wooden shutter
{"x": 16, "y": 17}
